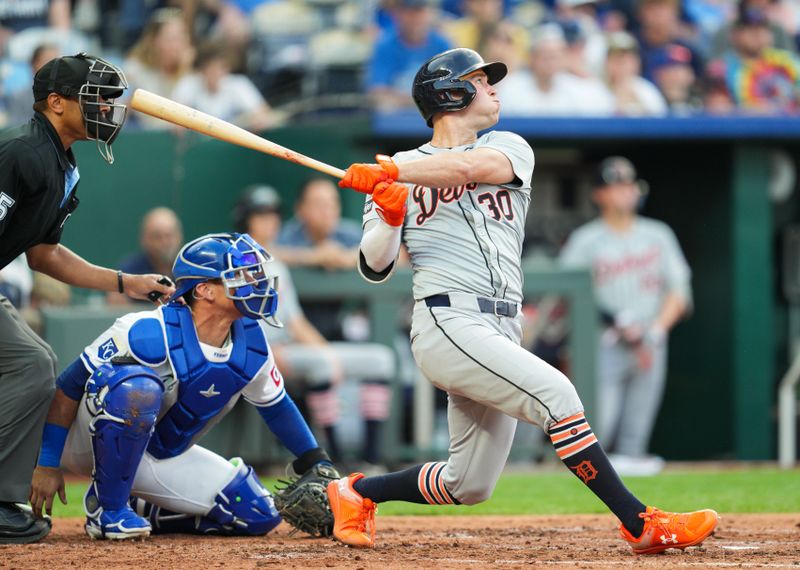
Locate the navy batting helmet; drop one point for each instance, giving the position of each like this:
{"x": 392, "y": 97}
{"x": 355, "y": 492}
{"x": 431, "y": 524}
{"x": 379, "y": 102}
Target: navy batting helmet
{"x": 439, "y": 84}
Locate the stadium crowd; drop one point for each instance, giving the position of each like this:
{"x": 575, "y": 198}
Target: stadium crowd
{"x": 255, "y": 61}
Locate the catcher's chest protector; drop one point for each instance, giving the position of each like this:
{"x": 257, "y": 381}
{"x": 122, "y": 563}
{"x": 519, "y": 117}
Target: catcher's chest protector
{"x": 204, "y": 388}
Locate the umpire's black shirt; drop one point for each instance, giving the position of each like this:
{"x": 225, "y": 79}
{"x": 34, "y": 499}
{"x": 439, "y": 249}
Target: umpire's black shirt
{"x": 35, "y": 175}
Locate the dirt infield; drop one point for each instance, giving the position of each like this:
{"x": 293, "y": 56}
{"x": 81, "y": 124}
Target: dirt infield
{"x": 574, "y": 541}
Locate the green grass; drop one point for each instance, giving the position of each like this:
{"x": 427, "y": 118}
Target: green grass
{"x": 727, "y": 491}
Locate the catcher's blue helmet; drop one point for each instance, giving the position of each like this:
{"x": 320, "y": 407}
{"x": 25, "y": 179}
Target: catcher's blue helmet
{"x": 242, "y": 266}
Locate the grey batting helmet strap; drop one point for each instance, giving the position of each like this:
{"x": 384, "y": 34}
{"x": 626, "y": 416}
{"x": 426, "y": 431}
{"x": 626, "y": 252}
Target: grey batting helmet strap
{"x": 439, "y": 84}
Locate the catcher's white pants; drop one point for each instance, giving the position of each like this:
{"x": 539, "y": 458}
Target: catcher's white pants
{"x": 491, "y": 382}
{"x": 186, "y": 484}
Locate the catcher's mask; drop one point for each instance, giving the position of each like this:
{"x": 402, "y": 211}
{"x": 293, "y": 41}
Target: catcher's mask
{"x": 239, "y": 263}
{"x": 96, "y": 84}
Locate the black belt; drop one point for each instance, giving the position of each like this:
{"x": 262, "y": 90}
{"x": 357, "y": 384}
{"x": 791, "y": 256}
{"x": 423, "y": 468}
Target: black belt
{"x": 491, "y": 306}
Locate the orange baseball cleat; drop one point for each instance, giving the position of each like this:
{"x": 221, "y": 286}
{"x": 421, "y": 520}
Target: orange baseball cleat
{"x": 353, "y": 515}
{"x": 663, "y": 530}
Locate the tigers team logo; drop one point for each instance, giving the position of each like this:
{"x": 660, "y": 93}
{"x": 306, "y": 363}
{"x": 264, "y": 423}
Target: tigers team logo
{"x": 585, "y": 470}
{"x": 428, "y": 199}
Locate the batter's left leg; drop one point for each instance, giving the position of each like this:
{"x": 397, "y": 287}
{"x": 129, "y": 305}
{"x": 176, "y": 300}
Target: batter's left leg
{"x": 480, "y": 441}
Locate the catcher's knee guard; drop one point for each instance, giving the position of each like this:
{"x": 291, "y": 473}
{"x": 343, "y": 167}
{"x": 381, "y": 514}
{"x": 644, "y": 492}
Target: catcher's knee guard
{"x": 244, "y": 506}
{"x": 124, "y": 402}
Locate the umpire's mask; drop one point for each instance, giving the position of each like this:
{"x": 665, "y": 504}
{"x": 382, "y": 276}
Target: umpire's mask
{"x": 102, "y": 116}
{"x": 96, "y": 84}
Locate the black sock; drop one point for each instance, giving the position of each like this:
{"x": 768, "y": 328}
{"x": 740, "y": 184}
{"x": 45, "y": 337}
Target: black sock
{"x": 372, "y": 440}
{"x": 579, "y": 449}
{"x": 422, "y": 484}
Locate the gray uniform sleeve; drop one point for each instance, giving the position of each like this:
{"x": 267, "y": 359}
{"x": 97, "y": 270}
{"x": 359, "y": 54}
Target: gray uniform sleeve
{"x": 518, "y": 151}
{"x": 678, "y": 274}
{"x": 576, "y": 251}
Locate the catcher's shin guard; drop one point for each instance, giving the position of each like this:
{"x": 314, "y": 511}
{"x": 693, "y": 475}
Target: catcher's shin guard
{"x": 242, "y": 508}
{"x": 124, "y": 402}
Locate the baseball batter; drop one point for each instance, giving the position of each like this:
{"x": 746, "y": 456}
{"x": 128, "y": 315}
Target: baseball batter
{"x": 642, "y": 286}
{"x": 459, "y": 203}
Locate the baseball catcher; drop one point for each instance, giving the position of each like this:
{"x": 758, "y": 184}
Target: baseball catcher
{"x": 131, "y": 408}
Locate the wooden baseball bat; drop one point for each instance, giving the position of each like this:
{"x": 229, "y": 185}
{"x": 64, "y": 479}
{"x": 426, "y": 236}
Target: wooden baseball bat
{"x": 178, "y": 114}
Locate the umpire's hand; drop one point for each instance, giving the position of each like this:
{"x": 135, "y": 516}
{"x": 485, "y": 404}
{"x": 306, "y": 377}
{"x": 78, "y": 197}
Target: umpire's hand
{"x": 46, "y": 482}
{"x": 141, "y": 286}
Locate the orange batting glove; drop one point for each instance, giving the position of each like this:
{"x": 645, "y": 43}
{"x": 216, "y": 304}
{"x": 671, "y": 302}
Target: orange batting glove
{"x": 390, "y": 202}
{"x": 363, "y": 177}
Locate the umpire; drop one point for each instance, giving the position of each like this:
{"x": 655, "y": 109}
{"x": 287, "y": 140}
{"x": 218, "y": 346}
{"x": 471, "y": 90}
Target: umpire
{"x": 74, "y": 100}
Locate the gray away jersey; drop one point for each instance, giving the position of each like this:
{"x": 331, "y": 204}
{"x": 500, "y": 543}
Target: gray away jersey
{"x": 467, "y": 238}
{"x": 631, "y": 272}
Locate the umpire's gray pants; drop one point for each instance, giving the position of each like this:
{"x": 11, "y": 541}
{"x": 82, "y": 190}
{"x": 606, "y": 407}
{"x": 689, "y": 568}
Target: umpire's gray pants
{"x": 27, "y": 383}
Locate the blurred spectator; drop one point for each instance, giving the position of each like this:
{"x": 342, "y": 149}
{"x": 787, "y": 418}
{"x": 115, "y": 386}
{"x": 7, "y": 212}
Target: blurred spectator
{"x": 481, "y": 18}
{"x": 760, "y": 78}
{"x": 234, "y": 25}
{"x": 642, "y": 287}
{"x": 633, "y": 95}
{"x": 16, "y": 16}
{"x": 160, "y": 238}
{"x": 660, "y": 25}
{"x": 123, "y": 21}
{"x": 581, "y": 26}
{"x": 673, "y": 72}
{"x": 19, "y": 104}
{"x": 313, "y": 367}
{"x": 30, "y": 291}
{"x": 401, "y": 50}
{"x": 160, "y": 58}
{"x": 717, "y": 99}
{"x": 319, "y": 237}
{"x": 546, "y": 88}
{"x": 46, "y": 292}
{"x": 499, "y": 45}
{"x": 16, "y": 282}
{"x": 781, "y": 22}
{"x": 709, "y": 16}
{"x": 213, "y": 89}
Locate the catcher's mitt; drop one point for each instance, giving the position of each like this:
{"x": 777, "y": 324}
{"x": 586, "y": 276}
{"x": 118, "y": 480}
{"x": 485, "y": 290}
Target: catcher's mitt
{"x": 303, "y": 502}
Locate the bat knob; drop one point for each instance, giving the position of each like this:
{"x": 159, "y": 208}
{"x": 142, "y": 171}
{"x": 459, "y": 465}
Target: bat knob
{"x": 156, "y": 295}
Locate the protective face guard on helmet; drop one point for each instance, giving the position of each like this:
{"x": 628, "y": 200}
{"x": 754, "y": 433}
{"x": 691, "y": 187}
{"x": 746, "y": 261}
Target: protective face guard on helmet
{"x": 248, "y": 283}
{"x": 439, "y": 85}
{"x": 102, "y": 117}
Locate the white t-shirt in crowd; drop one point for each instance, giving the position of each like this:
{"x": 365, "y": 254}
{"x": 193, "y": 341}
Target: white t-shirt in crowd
{"x": 236, "y": 96}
